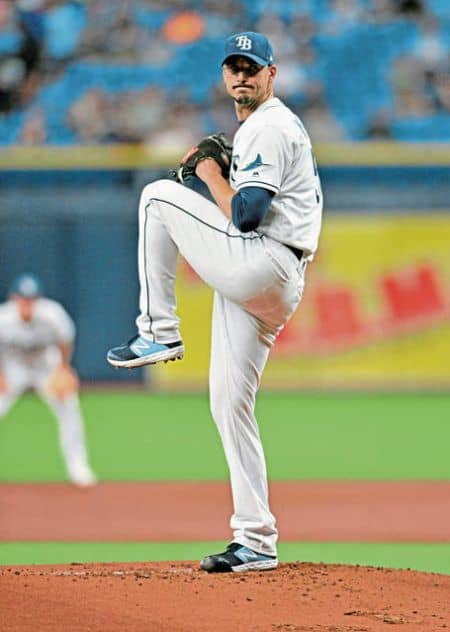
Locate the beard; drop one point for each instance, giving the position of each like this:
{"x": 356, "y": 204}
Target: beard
{"x": 245, "y": 100}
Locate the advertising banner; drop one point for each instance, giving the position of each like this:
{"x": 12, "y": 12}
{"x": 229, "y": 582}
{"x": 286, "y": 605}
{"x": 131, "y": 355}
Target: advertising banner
{"x": 375, "y": 313}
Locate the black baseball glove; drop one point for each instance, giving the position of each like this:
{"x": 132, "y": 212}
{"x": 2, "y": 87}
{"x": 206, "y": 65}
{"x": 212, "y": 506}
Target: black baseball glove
{"x": 216, "y": 147}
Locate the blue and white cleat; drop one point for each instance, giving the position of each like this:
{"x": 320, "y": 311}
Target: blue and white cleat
{"x": 238, "y": 559}
{"x": 139, "y": 351}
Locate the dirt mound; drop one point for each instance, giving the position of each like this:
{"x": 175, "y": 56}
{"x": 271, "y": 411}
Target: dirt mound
{"x": 178, "y": 597}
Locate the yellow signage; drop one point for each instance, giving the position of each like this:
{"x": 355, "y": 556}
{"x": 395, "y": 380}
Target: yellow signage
{"x": 376, "y": 311}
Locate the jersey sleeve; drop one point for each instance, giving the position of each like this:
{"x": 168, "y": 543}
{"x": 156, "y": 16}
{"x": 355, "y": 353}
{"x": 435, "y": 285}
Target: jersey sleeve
{"x": 249, "y": 207}
{"x": 261, "y": 161}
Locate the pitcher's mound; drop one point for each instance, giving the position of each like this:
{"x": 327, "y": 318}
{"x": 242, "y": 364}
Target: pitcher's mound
{"x": 178, "y": 597}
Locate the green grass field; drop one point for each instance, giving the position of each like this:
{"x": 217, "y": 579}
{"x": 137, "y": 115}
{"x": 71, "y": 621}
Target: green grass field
{"x": 424, "y": 557}
{"x": 139, "y": 436}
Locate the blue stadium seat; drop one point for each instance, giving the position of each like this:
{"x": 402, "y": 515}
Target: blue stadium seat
{"x": 151, "y": 18}
{"x": 10, "y": 127}
{"x": 10, "y": 41}
{"x": 434, "y": 128}
{"x": 356, "y": 69}
{"x": 354, "y": 65}
{"x": 440, "y": 8}
{"x": 63, "y": 26}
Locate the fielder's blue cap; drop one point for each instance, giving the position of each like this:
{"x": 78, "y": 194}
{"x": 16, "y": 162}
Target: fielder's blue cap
{"x": 255, "y": 46}
{"x": 27, "y": 285}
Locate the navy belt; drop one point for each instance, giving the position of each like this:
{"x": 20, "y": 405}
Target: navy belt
{"x": 298, "y": 253}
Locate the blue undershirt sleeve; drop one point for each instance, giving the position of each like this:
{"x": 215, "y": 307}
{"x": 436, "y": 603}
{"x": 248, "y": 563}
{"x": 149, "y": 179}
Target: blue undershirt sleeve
{"x": 249, "y": 207}
{"x": 197, "y": 185}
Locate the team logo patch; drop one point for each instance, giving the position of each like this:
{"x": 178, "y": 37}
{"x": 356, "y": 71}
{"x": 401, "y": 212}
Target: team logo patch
{"x": 243, "y": 42}
{"x": 258, "y": 162}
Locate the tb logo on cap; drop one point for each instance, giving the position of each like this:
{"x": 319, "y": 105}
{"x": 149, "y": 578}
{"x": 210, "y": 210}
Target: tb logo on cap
{"x": 243, "y": 42}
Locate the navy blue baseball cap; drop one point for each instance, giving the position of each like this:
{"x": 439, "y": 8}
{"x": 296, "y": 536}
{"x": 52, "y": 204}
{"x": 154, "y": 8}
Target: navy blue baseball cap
{"x": 26, "y": 285}
{"x": 255, "y": 46}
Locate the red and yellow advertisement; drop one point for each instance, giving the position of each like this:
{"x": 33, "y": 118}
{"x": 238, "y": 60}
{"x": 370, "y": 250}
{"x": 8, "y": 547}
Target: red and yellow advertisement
{"x": 375, "y": 314}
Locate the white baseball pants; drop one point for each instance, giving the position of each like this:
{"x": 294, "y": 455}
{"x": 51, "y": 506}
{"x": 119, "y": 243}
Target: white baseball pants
{"x": 67, "y": 412}
{"x": 258, "y": 283}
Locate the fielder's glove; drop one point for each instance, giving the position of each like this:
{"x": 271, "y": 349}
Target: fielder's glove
{"x": 62, "y": 382}
{"x": 216, "y": 147}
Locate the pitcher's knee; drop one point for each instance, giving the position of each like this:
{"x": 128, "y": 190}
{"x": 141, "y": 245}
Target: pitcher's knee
{"x": 163, "y": 189}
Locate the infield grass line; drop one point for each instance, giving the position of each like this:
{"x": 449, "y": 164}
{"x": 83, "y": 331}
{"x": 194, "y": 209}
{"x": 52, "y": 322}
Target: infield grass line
{"x": 423, "y": 557}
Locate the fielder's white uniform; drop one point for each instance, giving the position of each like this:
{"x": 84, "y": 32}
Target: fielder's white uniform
{"x": 258, "y": 284}
{"x": 29, "y": 353}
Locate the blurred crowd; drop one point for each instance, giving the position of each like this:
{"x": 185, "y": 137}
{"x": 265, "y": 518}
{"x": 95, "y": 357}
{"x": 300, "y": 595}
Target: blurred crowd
{"x": 147, "y": 71}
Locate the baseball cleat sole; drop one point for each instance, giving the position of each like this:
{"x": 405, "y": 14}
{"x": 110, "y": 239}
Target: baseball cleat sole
{"x": 255, "y": 566}
{"x": 238, "y": 559}
{"x": 154, "y": 358}
{"x": 209, "y": 565}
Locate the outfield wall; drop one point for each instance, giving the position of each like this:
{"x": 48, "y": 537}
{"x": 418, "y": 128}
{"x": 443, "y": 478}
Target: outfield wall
{"x": 376, "y": 308}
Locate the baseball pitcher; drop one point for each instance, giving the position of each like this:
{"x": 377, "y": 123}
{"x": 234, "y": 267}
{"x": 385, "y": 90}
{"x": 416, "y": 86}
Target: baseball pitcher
{"x": 36, "y": 338}
{"x": 252, "y": 244}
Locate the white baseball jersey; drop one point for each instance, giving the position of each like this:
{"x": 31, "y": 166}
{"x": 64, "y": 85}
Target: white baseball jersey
{"x": 272, "y": 150}
{"x": 29, "y": 352}
{"x": 35, "y": 342}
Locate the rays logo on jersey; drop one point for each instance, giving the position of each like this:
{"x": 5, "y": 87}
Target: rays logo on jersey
{"x": 258, "y": 162}
{"x": 251, "y": 166}
{"x": 243, "y": 42}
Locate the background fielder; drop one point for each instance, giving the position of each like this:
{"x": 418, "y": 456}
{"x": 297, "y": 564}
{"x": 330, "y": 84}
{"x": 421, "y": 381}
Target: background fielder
{"x": 36, "y": 339}
{"x": 252, "y": 246}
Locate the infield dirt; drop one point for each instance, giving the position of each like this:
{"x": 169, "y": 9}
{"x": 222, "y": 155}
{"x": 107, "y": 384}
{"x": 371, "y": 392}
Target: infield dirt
{"x": 177, "y": 597}
{"x": 318, "y": 511}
